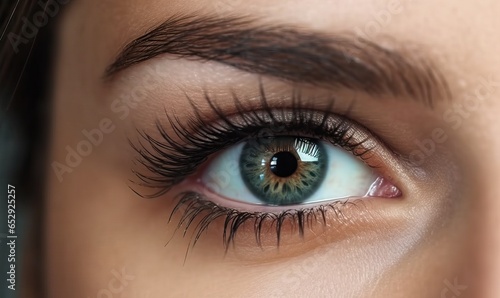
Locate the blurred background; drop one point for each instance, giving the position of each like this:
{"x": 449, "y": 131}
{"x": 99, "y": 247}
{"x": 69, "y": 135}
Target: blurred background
{"x": 24, "y": 72}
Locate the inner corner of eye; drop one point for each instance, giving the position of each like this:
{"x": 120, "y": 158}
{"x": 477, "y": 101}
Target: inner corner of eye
{"x": 383, "y": 188}
{"x": 288, "y": 171}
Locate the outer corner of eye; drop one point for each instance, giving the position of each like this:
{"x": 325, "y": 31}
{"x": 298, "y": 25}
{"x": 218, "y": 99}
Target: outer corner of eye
{"x": 289, "y": 171}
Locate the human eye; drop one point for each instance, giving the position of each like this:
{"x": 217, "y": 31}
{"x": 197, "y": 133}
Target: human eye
{"x": 282, "y": 171}
{"x": 263, "y": 168}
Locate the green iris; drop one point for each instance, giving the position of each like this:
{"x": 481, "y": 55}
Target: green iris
{"x": 283, "y": 170}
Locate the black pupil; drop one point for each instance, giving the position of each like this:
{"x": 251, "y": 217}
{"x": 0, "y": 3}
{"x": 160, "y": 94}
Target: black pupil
{"x": 283, "y": 164}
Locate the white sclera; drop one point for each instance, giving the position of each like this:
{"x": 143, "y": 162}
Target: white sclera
{"x": 346, "y": 176}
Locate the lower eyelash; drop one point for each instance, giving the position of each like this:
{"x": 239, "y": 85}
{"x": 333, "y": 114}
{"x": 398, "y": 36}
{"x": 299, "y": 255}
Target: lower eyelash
{"x": 195, "y": 207}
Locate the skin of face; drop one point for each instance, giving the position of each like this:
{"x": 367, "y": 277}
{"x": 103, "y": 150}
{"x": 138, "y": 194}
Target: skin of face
{"x": 440, "y": 240}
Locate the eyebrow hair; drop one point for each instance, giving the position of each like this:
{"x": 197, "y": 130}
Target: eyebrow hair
{"x": 290, "y": 53}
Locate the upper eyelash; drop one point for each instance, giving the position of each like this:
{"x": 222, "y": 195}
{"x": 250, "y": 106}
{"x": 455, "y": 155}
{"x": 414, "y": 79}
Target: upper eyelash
{"x": 169, "y": 161}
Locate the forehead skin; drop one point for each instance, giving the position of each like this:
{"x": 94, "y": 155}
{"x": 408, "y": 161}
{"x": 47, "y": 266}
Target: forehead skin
{"x": 91, "y": 234}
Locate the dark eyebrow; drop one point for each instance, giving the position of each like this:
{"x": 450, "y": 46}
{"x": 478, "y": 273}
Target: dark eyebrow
{"x": 290, "y": 53}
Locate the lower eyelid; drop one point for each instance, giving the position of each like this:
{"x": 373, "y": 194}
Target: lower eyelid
{"x": 198, "y": 186}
